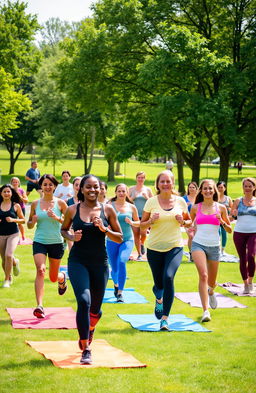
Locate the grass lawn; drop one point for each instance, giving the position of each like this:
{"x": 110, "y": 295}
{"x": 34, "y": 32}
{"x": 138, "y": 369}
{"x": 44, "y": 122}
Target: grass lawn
{"x": 178, "y": 362}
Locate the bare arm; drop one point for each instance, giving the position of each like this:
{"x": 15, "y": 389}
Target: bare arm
{"x": 32, "y": 217}
{"x": 135, "y": 222}
{"x": 68, "y": 219}
{"x": 114, "y": 231}
{"x": 224, "y": 220}
{"x": 147, "y": 221}
{"x": 234, "y": 208}
{"x": 20, "y": 219}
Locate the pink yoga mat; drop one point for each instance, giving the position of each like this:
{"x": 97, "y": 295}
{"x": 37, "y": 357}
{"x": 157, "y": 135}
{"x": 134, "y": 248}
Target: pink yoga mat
{"x": 25, "y": 242}
{"x": 55, "y": 318}
{"x": 193, "y": 299}
{"x": 237, "y": 289}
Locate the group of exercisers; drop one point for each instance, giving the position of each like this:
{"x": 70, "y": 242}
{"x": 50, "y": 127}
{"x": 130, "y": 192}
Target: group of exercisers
{"x": 101, "y": 232}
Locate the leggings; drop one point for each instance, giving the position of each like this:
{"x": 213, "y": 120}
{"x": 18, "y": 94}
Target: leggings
{"x": 164, "y": 266}
{"x": 8, "y": 245}
{"x": 89, "y": 283}
{"x": 223, "y": 235}
{"x": 118, "y": 254}
{"x": 246, "y": 248}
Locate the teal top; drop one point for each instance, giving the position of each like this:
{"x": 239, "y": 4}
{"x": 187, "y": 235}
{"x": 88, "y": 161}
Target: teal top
{"x": 139, "y": 202}
{"x": 126, "y": 228}
{"x": 48, "y": 229}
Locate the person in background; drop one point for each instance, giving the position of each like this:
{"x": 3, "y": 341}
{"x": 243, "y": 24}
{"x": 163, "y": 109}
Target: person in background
{"x": 244, "y": 208}
{"x": 139, "y": 194}
{"x": 46, "y": 213}
{"x": 72, "y": 201}
{"x": 10, "y": 215}
{"x": 164, "y": 213}
{"x": 32, "y": 176}
{"x": 118, "y": 253}
{"x": 103, "y": 192}
{"x": 15, "y": 182}
{"x": 190, "y": 198}
{"x": 87, "y": 263}
{"x": 226, "y": 201}
{"x": 64, "y": 190}
{"x": 208, "y": 215}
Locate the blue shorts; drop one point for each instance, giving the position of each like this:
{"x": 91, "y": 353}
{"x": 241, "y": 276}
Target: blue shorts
{"x": 212, "y": 252}
{"x": 54, "y": 251}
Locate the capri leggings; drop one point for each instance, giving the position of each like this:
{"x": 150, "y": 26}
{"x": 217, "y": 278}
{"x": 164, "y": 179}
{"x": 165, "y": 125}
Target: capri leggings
{"x": 164, "y": 266}
{"x": 246, "y": 248}
{"x": 89, "y": 283}
{"x": 8, "y": 245}
{"x": 223, "y": 235}
{"x": 118, "y": 255}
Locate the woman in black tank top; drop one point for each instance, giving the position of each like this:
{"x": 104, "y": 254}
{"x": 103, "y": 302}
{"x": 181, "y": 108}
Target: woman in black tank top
{"x": 87, "y": 262}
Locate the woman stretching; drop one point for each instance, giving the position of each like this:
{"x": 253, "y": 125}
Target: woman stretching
{"x": 47, "y": 214}
{"x": 165, "y": 214}
{"x": 244, "y": 209}
{"x": 87, "y": 262}
{"x": 208, "y": 215}
{"x": 119, "y": 253}
{"x": 10, "y": 215}
{"x": 226, "y": 201}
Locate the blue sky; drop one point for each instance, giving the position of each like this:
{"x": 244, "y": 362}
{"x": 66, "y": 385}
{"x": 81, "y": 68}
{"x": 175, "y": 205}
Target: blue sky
{"x": 69, "y": 10}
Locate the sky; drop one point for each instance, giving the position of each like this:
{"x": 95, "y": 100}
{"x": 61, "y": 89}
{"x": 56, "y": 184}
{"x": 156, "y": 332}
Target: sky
{"x": 69, "y": 10}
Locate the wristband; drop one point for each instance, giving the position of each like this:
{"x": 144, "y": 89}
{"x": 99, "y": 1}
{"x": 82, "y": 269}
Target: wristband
{"x": 106, "y": 230}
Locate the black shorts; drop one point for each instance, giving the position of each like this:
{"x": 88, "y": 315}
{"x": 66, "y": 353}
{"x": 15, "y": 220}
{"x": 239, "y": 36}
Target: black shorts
{"x": 32, "y": 186}
{"x": 54, "y": 251}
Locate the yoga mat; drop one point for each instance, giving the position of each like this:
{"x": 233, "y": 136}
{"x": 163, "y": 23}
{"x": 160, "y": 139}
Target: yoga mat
{"x": 66, "y": 354}
{"x": 229, "y": 258}
{"x": 129, "y": 295}
{"x": 55, "y": 318}
{"x": 237, "y": 289}
{"x": 194, "y": 300}
{"x": 25, "y": 242}
{"x": 149, "y": 323}
{"x": 134, "y": 255}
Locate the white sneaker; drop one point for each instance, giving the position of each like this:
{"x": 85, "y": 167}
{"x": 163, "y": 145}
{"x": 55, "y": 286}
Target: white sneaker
{"x": 251, "y": 289}
{"x": 212, "y": 300}
{"x": 16, "y": 268}
{"x": 206, "y": 316}
{"x": 6, "y": 284}
{"x": 246, "y": 289}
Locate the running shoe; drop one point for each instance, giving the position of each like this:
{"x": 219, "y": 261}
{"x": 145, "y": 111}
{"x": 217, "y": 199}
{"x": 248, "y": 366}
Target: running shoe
{"x": 16, "y": 268}
{"x": 39, "y": 312}
{"x": 159, "y": 310}
{"x": 120, "y": 298}
{"x": 142, "y": 249}
{"x": 86, "y": 357}
{"x": 246, "y": 289}
{"x": 164, "y": 325}
{"x": 62, "y": 287}
{"x": 206, "y": 316}
{"x": 6, "y": 284}
{"x": 251, "y": 288}
{"x": 212, "y": 300}
{"x": 139, "y": 258}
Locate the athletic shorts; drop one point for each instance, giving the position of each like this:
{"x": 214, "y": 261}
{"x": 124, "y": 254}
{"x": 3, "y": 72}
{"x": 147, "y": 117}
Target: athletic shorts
{"x": 212, "y": 252}
{"x": 32, "y": 186}
{"x": 54, "y": 251}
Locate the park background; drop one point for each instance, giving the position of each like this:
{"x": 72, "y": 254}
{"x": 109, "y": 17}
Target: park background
{"x": 149, "y": 80}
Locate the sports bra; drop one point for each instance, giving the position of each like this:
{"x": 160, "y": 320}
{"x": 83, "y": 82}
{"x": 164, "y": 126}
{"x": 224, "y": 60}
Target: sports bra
{"x": 211, "y": 219}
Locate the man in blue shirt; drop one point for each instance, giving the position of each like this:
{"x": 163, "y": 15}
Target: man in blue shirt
{"x": 32, "y": 176}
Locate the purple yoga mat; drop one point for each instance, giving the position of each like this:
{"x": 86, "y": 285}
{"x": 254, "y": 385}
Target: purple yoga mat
{"x": 193, "y": 299}
{"x": 237, "y": 289}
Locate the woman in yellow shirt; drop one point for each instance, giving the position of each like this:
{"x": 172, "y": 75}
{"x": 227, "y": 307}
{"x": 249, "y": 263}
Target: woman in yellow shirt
{"x": 165, "y": 213}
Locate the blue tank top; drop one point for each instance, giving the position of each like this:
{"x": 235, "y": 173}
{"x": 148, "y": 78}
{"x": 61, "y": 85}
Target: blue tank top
{"x": 126, "y": 228}
{"x": 8, "y": 228}
{"x": 244, "y": 210}
{"x": 140, "y": 202}
{"x": 91, "y": 249}
{"x": 48, "y": 229}
{"x": 188, "y": 202}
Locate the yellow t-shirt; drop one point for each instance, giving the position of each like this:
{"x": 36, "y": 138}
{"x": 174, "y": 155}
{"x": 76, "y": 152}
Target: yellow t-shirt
{"x": 165, "y": 233}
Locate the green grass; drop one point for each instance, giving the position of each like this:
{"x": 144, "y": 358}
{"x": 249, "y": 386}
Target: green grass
{"x": 178, "y": 362}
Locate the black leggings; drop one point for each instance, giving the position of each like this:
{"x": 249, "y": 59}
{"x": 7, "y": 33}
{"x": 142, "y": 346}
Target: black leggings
{"x": 89, "y": 283}
{"x": 164, "y": 266}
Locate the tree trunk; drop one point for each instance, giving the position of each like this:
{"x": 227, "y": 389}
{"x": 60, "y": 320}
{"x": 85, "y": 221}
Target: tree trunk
{"x": 180, "y": 163}
{"x": 12, "y": 164}
{"x": 85, "y": 150}
{"x": 79, "y": 154}
{"x": 111, "y": 169}
{"x": 117, "y": 170}
{"x": 224, "y": 166}
{"x": 92, "y": 148}
{"x": 196, "y": 169}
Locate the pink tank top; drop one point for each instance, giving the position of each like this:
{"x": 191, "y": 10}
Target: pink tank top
{"x": 207, "y": 218}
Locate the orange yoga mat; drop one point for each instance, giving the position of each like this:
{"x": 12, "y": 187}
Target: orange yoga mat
{"x": 66, "y": 354}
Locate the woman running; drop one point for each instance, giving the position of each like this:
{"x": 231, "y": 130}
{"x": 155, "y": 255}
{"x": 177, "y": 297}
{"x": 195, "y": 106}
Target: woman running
{"x": 10, "y": 215}
{"x": 226, "y": 201}
{"x": 64, "y": 191}
{"x": 15, "y": 182}
{"x": 46, "y": 213}
{"x": 165, "y": 214}
{"x": 87, "y": 262}
{"x": 190, "y": 198}
{"x": 208, "y": 215}
{"x": 103, "y": 192}
{"x": 118, "y": 254}
{"x": 76, "y": 184}
{"x": 244, "y": 209}
{"x": 139, "y": 194}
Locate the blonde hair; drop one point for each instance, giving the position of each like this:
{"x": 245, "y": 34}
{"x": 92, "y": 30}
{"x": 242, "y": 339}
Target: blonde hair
{"x": 140, "y": 173}
{"x": 15, "y": 178}
{"x": 169, "y": 173}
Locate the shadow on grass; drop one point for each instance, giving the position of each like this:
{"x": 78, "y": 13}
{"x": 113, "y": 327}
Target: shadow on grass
{"x": 5, "y": 322}
{"x": 126, "y": 332}
{"x": 38, "y": 363}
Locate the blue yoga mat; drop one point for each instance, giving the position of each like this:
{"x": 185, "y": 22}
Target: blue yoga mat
{"x": 149, "y": 323}
{"x": 129, "y": 295}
